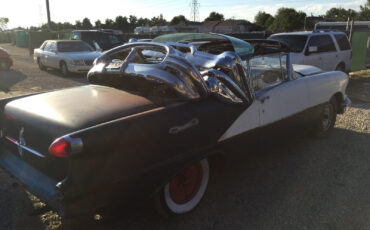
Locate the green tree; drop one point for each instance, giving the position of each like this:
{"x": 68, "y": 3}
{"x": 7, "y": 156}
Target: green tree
{"x": 177, "y": 19}
{"x": 121, "y": 23}
{"x": 364, "y": 13}
{"x": 340, "y": 14}
{"x": 78, "y": 24}
{"x": 3, "y": 23}
{"x": 264, "y": 20}
{"x": 132, "y": 20}
{"x": 214, "y": 16}
{"x": 288, "y": 19}
{"x": 158, "y": 21}
{"x": 108, "y": 24}
{"x": 98, "y": 24}
{"x": 86, "y": 24}
{"x": 143, "y": 22}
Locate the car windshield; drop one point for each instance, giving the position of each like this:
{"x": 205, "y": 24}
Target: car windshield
{"x": 74, "y": 47}
{"x": 296, "y": 43}
{"x": 240, "y": 47}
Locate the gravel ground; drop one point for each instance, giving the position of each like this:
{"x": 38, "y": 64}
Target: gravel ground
{"x": 302, "y": 183}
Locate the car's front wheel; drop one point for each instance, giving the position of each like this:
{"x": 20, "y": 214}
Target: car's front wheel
{"x": 327, "y": 119}
{"x": 39, "y": 63}
{"x": 184, "y": 192}
{"x": 64, "y": 69}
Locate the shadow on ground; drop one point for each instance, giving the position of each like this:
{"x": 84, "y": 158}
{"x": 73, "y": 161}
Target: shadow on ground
{"x": 9, "y": 78}
{"x": 78, "y": 77}
{"x": 296, "y": 184}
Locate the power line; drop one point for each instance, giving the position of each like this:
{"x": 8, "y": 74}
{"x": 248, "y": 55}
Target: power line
{"x": 194, "y": 10}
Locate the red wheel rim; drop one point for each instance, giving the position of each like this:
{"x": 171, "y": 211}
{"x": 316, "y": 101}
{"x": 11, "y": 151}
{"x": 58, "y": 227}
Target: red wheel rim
{"x": 185, "y": 186}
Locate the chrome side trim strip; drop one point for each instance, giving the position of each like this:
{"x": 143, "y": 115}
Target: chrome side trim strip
{"x": 24, "y": 147}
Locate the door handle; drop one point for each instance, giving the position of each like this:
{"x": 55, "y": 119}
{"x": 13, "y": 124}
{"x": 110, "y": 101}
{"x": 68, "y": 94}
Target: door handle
{"x": 263, "y": 99}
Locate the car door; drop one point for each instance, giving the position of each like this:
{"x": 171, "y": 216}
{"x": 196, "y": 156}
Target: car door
{"x": 329, "y": 53}
{"x": 44, "y": 54}
{"x": 278, "y": 95}
{"x": 52, "y": 56}
{"x": 312, "y": 57}
{"x": 49, "y": 54}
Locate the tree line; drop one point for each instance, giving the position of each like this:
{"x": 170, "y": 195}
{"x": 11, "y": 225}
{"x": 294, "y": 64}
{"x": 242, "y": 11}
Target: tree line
{"x": 285, "y": 19}
{"x": 288, "y": 19}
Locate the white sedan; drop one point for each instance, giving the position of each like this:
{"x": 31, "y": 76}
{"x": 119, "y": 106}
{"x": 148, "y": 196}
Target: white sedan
{"x": 65, "y": 55}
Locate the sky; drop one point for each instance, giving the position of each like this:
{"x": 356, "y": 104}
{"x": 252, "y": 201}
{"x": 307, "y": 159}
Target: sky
{"x": 27, "y": 13}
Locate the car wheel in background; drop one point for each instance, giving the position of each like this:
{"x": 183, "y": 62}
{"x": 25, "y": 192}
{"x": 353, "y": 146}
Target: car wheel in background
{"x": 184, "y": 192}
{"x": 64, "y": 69}
{"x": 41, "y": 66}
{"x": 4, "y": 64}
{"x": 341, "y": 67}
{"x": 327, "y": 120}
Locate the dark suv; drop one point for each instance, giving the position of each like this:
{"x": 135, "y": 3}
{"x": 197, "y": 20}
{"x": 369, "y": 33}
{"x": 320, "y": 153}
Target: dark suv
{"x": 105, "y": 40}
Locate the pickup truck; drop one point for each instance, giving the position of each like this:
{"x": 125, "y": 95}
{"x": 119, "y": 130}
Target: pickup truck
{"x": 153, "y": 115}
{"x": 66, "y": 55}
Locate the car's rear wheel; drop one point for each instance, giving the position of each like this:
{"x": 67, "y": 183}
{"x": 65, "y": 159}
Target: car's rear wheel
{"x": 184, "y": 192}
{"x": 341, "y": 67}
{"x": 327, "y": 119}
{"x": 64, "y": 69}
{"x": 4, "y": 64}
{"x": 39, "y": 63}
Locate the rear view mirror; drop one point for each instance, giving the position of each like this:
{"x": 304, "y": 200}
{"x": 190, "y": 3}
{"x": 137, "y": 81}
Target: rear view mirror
{"x": 53, "y": 51}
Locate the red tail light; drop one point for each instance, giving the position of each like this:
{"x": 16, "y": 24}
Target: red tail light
{"x": 65, "y": 146}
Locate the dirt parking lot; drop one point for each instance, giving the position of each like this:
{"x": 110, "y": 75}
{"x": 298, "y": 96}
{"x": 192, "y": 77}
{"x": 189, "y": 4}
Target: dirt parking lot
{"x": 303, "y": 183}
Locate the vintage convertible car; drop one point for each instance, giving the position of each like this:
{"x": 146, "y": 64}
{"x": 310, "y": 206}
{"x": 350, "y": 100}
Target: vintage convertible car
{"x": 153, "y": 115}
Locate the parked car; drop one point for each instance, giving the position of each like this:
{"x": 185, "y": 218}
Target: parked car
{"x": 153, "y": 116}
{"x": 65, "y": 55}
{"x": 5, "y": 60}
{"x": 99, "y": 39}
{"x": 328, "y": 50}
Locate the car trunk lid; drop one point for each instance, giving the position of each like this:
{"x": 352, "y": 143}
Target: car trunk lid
{"x": 36, "y": 121}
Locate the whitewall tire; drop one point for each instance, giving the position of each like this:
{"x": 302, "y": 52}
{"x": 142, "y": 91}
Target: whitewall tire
{"x": 184, "y": 192}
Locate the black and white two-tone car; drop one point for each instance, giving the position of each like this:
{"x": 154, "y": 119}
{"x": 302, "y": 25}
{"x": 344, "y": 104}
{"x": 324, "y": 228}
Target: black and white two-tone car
{"x": 153, "y": 115}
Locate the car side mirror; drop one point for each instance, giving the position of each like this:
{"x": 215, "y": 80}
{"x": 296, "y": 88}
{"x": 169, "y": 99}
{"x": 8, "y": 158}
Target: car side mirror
{"x": 53, "y": 51}
{"x": 311, "y": 49}
{"x": 97, "y": 47}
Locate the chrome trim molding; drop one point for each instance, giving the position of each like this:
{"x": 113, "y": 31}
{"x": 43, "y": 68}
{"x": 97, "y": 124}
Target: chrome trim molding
{"x": 179, "y": 67}
{"x": 76, "y": 144}
{"x": 24, "y": 147}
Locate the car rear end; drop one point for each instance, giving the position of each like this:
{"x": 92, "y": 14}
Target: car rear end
{"x": 344, "y": 50}
{"x": 44, "y": 145}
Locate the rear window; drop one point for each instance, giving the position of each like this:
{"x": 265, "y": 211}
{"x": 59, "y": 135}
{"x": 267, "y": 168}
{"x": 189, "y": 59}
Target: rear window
{"x": 324, "y": 43}
{"x": 296, "y": 43}
{"x": 342, "y": 42}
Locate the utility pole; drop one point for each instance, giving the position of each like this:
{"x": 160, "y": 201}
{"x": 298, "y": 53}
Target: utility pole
{"x": 48, "y": 13}
{"x": 194, "y": 10}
